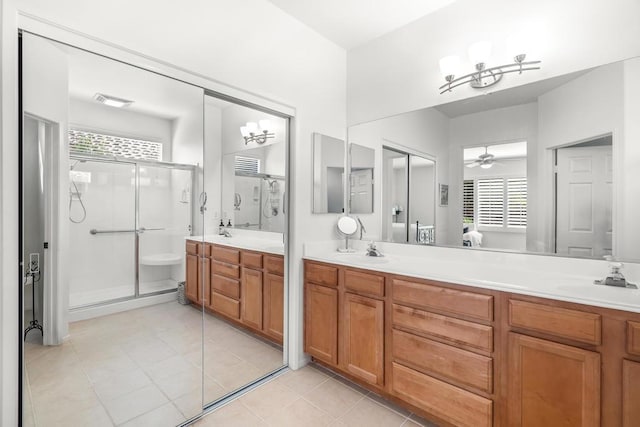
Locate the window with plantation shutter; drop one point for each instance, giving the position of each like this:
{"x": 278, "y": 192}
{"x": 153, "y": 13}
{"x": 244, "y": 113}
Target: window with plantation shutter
{"x": 516, "y": 202}
{"x": 468, "y": 200}
{"x": 247, "y": 165}
{"x": 490, "y": 201}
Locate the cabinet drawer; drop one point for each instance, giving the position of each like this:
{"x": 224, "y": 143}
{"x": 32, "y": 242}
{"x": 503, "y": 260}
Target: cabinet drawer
{"x": 430, "y": 356}
{"x": 439, "y": 298}
{"x": 633, "y": 338}
{"x": 223, "y": 254}
{"x": 227, "y": 270}
{"x": 225, "y": 305}
{"x": 450, "y": 403}
{"x": 274, "y": 264}
{"x": 444, "y": 327}
{"x": 321, "y": 274}
{"x": 366, "y": 283}
{"x": 252, "y": 260}
{"x": 225, "y": 286}
{"x": 561, "y": 322}
{"x": 192, "y": 247}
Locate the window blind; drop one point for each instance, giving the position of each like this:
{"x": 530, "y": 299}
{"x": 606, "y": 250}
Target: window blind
{"x": 249, "y": 165}
{"x": 468, "y": 199}
{"x": 91, "y": 143}
{"x": 491, "y": 201}
{"x": 517, "y": 202}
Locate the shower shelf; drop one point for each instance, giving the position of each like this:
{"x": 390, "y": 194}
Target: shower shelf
{"x": 162, "y": 259}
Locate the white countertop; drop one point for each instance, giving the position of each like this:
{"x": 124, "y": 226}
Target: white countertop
{"x": 260, "y": 241}
{"x": 564, "y": 279}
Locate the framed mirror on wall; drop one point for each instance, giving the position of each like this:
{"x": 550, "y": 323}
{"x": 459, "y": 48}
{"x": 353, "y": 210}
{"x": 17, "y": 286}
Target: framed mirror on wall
{"x": 140, "y": 295}
{"x": 328, "y": 174}
{"x": 521, "y": 165}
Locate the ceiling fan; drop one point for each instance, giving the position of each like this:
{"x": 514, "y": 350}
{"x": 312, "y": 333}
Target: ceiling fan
{"x": 485, "y": 160}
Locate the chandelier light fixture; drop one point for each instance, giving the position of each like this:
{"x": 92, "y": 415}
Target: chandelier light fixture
{"x": 482, "y": 77}
{"x": 257, "y": 132}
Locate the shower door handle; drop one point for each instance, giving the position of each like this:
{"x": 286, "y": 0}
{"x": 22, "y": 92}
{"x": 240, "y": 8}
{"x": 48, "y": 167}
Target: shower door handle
{"x": 203, "y": 202}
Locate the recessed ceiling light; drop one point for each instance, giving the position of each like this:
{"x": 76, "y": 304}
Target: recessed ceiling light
{"x": 112, "y": 101}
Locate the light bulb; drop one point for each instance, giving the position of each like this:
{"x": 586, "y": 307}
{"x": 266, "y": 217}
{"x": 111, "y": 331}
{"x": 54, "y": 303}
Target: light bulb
{"x": 450, "y": 66}
{"x": 486, "y": 165}
{"x": 252, "y": 127}
{"x": 480, "y": 52}
{"x": 265, "y": 125}
{"x": 244, "y": 131}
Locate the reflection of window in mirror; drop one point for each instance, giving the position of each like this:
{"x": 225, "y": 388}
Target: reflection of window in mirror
{"x": 494, "y": 196}
{"x": 584, "y": 198}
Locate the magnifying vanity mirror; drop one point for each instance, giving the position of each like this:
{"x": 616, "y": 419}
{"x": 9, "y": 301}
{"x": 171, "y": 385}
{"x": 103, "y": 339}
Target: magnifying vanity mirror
{"x": 328, "y": 174}
{"x": 347, "y": 226}
{"x": 546, "y": 167}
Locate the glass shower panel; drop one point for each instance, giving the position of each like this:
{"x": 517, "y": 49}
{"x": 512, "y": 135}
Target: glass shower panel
{"x": 165, "y": 216}
{"x": 102, "y": 223}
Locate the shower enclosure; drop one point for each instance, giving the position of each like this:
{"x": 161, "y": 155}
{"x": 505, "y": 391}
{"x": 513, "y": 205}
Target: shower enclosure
{"x": 258, "y": 202}
{"x": 128, "y": 219}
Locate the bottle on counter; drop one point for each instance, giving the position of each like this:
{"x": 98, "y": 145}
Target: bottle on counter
{"x": 221, "y": 227}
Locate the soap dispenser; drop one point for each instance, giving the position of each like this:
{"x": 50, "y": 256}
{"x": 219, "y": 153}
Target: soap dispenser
{"x": 221, "y": 227}
{"x": 229, "y": 224}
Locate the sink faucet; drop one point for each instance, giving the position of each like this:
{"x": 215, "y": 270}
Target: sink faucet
{"x": 615, "y": 277}
{"x": 227, "y": 233}
{"x": 372, "y": 250}
{"x": 362, "y": 229}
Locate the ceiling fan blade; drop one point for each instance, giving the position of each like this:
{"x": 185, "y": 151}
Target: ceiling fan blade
{"x": 473, "y": 164}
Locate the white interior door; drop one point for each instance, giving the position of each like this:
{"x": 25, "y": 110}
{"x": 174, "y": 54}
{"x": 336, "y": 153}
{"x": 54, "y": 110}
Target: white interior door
{"x": 584, "y": 201}
{"x": 361, "y": 190}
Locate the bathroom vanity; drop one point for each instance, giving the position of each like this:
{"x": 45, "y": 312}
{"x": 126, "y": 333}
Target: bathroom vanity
{"x": 474, "y": 354}
{"x": 244, "y": 283}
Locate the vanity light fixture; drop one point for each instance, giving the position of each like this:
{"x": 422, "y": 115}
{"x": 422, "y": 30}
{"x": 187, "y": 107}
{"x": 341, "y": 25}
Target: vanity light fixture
{"x": 257, "y": 132}
{"x": 112, "y": 101}
{"x": 482, "y": 77}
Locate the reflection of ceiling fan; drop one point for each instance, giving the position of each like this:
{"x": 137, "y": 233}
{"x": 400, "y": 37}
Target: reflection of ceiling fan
{"x": 485, "y": 160}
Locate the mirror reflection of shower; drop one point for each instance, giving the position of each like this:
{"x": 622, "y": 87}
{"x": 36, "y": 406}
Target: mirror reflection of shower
{"x": 258, "y": 201}
{"x": 272, "y": 201}
{"x": 78, "y": 184}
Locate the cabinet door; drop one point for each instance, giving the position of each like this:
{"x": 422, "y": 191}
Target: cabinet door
{"x": 273, "y": 305}
{"x": 251, "y": 298}
{"x": 363, "y": 338}
{"x": 191, "y": 285}
{"x": 204, "y": 281}
{"x": 321, "y": 323}
{"x": 552, "y": 384}
{"x": 630, "y": 393}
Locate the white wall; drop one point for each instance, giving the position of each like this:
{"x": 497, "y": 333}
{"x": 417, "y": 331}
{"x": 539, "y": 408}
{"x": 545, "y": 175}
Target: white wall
{"x": 399, "y": 72}
{"x": 299, "y": 72}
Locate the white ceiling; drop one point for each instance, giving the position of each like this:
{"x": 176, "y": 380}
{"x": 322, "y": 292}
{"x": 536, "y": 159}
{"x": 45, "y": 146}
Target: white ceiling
{"x": 151, "y": 93}
{"x": 351, "y": 23}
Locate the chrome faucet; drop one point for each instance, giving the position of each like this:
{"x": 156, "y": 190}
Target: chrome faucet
{"x": 372, "y": 250}
{"x": 615, "y": 277}
{"x": 227, "y": 233}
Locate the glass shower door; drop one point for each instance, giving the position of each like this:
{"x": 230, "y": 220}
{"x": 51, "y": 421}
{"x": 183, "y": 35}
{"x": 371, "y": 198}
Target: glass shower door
{"x": 102, "y": 224}
{"x": 165, "y": 216}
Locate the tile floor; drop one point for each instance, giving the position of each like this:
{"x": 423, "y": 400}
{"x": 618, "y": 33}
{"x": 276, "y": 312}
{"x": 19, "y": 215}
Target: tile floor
{"x": 139, "y": 368}
{"x": 311, "y": 397}
{"x": 143, "y": 367}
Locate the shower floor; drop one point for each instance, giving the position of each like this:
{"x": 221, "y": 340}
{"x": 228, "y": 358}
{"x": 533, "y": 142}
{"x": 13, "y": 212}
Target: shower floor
{"x": 84, "y": 298}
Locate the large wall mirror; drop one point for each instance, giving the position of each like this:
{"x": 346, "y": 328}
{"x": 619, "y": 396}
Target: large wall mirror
{"x": 328, "y": 174}
{"x": 361, "y": 179}
{"x": 138, "y": 306}
{"x": 546, "y": 167}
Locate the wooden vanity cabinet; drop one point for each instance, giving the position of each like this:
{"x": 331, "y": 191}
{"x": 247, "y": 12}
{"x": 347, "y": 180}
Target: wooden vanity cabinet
{"x": 464, "y": 356}
{"x": 245, "y": 287}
